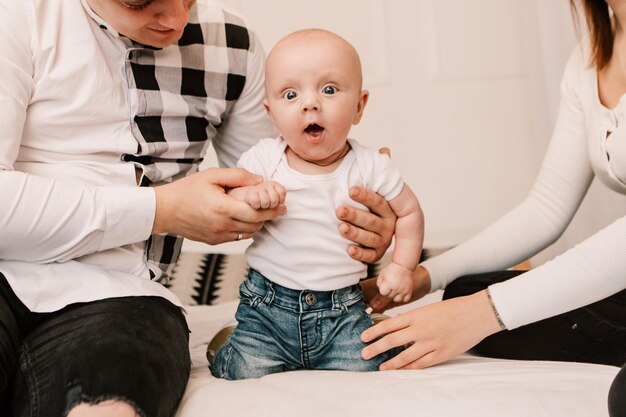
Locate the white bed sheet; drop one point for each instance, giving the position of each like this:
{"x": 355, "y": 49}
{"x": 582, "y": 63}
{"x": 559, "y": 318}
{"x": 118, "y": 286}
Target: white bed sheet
{"x": 468, "y": 386}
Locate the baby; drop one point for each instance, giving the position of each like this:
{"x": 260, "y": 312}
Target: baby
{"x": 301, "y": 305}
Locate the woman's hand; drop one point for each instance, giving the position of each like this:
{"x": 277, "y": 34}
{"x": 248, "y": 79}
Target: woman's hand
{"x": 371, "y": 231}
{"x": 434, "y": 333}
{"x": 198, "y": 208}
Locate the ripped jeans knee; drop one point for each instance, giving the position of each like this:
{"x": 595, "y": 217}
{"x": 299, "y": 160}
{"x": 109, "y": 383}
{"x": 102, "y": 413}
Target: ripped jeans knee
{"x": 81, "y": 405}
{"x": 107, "y": 408}
{"x": 131, "y": 353}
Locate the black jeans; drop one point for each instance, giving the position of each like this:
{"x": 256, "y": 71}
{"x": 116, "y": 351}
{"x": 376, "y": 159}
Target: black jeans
{"x": 595, "y": 333}
{"x": 133, "y": 349}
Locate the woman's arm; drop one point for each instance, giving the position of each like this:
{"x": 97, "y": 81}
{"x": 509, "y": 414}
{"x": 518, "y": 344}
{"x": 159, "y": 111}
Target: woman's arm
{"x": 539, "y": 220}
{"x": 586, "y": 273}
{"x": 589, "y": 272}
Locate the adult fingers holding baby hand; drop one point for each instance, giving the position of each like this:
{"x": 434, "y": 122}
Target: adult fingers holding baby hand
{"x": 198, "y": 208}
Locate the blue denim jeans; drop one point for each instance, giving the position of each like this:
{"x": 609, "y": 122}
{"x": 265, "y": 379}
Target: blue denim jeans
{"x": 133, "y": 349}
{"x": 281, "y": 329}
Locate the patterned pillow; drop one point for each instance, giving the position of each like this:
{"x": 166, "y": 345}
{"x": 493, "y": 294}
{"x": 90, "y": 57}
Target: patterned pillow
{"x": 214, "y": 278}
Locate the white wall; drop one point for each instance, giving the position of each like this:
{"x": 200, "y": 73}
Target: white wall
{"x": 464, "y": 92}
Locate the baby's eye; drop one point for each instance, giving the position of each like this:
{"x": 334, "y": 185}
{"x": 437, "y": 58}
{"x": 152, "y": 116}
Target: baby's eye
{"x": 329, "y": 89}
{"x": 290, "y": 95}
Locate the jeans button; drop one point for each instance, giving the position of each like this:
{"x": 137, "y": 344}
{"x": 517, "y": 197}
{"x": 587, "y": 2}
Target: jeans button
{"x": 310, "y": 299}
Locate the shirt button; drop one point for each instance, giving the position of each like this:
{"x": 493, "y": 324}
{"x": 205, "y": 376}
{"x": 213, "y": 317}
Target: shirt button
{"x": 310, "y": 299}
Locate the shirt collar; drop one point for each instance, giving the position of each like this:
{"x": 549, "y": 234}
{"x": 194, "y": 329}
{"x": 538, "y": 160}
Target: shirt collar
{"x": 109, "y": 29}
{"x": 100, "y": 21}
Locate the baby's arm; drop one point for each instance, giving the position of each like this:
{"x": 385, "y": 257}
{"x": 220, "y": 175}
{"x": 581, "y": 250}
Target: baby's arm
{"x": 268, "y": 194}
{"x": 396, "y": 279}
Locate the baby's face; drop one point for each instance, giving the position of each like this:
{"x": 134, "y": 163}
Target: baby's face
{"x": 314, "y": 96}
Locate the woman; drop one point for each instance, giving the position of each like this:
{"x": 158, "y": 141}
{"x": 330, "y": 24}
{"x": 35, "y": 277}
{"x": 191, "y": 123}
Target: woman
{"x": 107, "y": 109}
{"x": 576, "y": 303}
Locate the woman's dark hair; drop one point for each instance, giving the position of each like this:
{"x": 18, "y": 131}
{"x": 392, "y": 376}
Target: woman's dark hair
{"x": 600, "y": 29}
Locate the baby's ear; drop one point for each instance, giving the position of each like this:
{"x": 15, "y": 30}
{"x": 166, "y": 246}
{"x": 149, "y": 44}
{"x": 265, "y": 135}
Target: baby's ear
{"x": 360, "y": 106}
{"x": 266, "y": 106}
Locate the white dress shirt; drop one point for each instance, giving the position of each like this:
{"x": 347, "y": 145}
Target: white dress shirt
{"x": 73, "y": 222}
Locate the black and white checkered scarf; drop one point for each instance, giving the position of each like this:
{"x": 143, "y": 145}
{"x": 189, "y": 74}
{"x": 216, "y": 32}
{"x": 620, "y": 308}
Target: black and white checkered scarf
{"x": 179, "y": 96}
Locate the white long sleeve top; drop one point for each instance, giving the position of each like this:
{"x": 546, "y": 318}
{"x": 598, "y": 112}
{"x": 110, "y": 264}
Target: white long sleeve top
{"x": 592, "y": 270}
{"x": 73, "y": 222}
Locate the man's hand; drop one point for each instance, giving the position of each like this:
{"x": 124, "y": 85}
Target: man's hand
{"x": 198, "y": 208}
{"x": 371, "y": 231}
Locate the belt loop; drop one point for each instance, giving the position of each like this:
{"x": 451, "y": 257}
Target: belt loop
{"x": 270, "y": 293}
{"x": 300, "y": 302}
{"x": 337, "y": 304}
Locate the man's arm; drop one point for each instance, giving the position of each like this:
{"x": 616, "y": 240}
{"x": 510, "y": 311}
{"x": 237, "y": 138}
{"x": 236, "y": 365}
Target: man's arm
{"x": 43, "y": 220}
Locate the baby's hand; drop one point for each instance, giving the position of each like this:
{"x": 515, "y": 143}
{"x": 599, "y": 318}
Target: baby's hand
{"x": 268, "y": 194}
{"x": 396, "y": 282}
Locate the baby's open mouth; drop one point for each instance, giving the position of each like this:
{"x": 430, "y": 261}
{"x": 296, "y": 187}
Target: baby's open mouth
{"x": 314, "y": 129}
